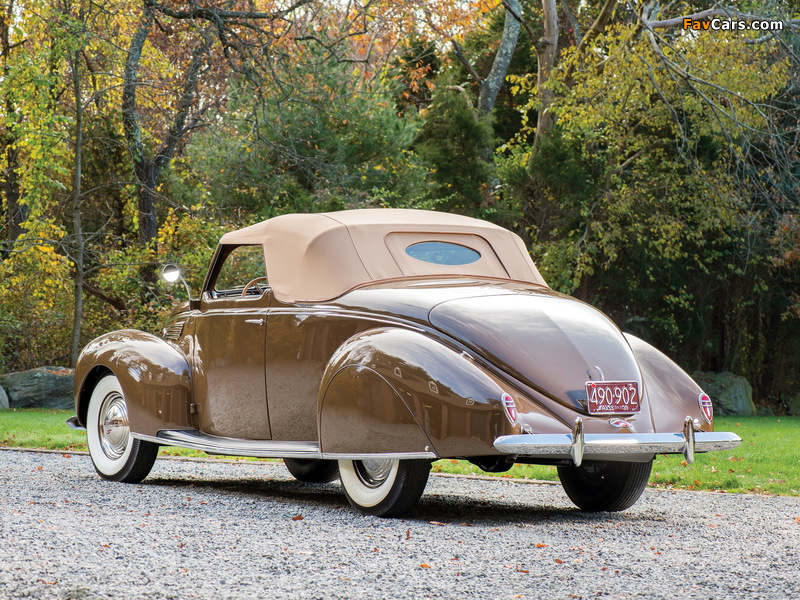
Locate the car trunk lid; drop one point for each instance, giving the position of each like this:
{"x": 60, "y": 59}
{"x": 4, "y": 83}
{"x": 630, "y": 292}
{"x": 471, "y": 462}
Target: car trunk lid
{"x": 551, "y": 342}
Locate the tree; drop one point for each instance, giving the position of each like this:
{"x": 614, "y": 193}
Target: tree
{"x": 14, "y": 213}
{"x": 656, "y": 175}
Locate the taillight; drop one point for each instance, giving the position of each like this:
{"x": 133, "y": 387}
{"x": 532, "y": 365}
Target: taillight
{"x": 705, "y": 405}
{"x": 510, "y": 408}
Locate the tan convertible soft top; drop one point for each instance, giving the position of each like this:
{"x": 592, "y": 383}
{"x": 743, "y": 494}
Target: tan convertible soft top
{"x": 318, "y": 257}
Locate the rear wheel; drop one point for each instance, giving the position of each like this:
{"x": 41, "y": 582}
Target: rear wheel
{"x": 384, "y": 488}
{"x": 312, "y": 470}
{"x": 611, "y": 486}
{"x": 116, "y": 455}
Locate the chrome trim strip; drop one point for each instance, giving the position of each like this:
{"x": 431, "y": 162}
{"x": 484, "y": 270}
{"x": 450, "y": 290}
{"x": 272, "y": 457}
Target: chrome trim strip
{"x": 382, "y": 455}
{"x": 214, "y": 444}
{"x": 333, "y": 311}
{"x": 621, "y": 444}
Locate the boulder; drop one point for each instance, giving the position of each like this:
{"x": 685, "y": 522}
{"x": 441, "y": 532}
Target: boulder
{"x": 3, "y": 399}
{"x": 730, "y": 394}
{"x": 44, "y": 387}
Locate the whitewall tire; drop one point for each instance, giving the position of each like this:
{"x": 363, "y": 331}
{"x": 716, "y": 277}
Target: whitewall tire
{"x": 115, "y": 454}
{"x": 384, "y": 488}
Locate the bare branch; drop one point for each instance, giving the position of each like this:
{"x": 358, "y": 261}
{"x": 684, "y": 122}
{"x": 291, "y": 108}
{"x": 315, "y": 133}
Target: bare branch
{"x": 463, "y": 60}
{"x": 524, "y": 22}
{"x": 573, "y": 21}
{"x": 215, "y": 15}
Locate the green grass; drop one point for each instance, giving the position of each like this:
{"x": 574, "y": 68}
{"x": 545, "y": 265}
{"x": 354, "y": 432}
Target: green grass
{"x": 47, "y": 429}
{"x": 767, "y": 462}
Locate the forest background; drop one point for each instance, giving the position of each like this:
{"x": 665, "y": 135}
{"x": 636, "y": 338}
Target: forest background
{"x": 653, "y": 171}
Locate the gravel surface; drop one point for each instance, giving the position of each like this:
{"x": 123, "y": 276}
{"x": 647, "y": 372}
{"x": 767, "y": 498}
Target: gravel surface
{"x": 217, "y": 530}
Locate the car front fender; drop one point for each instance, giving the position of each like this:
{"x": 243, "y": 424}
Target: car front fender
{"x": 154, "y": 375}
{"x": 403, "y": 390}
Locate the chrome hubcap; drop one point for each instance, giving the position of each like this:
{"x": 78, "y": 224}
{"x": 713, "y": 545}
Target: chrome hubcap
{"x": 114, "y": 430}
{"x": 373, "y": 472}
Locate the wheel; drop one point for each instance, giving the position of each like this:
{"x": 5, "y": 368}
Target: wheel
{"x": 384, "y": 488}
{"x": 116, "y": 455}
{"x": 312, "y": 470}
{"x": 612, "y": 486}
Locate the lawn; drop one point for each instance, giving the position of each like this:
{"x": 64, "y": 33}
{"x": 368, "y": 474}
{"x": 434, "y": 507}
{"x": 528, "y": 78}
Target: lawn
{"x": 766, "y": 463}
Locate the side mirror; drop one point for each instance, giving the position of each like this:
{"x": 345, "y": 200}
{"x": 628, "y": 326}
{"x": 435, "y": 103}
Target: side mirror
{"x": 171, "y": 274}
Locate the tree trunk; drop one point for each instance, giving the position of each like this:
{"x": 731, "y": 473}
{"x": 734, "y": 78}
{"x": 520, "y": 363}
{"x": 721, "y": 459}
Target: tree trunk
{"x": 142, "y": 167}
{"x": 14, "y": 213}
{"x": 148, "y": 170}
{"x": 79, "y": 253}
{"x": 490, "y": 87}
{"x": 547, "y": 50}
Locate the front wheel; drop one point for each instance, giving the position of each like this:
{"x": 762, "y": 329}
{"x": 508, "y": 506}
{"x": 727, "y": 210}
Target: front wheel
{"x": 611, "y": 486}
{"x": 117, "y": 456}
{"x": 384, "y": 488}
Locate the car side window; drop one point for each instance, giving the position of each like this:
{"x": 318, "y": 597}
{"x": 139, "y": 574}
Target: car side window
{"x": 242, "y": 265}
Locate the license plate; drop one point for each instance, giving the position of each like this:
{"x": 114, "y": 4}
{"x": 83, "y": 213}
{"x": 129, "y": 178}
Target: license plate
{"x": 612, "y": 397}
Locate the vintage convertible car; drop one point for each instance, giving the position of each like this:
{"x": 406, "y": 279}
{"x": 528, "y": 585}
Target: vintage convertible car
{"x": 365, "y": 344}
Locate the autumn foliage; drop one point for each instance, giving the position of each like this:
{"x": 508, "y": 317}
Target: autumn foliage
{"x": 652, "y": 171}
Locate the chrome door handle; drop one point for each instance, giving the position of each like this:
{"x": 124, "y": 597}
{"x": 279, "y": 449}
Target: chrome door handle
{"x": 258, "y": 322}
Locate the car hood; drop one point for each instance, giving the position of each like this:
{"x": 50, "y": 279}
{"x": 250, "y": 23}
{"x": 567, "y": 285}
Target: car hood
{"x": 551, "y": 342}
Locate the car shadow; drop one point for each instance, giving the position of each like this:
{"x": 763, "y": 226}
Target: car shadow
{"x": 438, "y": 509}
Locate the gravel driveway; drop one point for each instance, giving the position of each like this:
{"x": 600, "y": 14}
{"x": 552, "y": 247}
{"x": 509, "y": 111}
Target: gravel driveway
{"x": 213, "y": 529}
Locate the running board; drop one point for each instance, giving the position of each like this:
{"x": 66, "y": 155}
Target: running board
{"x": 214, "y": 444}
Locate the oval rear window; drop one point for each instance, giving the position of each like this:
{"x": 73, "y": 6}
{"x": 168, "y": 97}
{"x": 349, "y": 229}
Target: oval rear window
{"x": 443, "y": 253}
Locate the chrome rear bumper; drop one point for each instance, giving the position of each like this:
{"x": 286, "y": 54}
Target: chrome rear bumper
{"x": 578, "y": 444}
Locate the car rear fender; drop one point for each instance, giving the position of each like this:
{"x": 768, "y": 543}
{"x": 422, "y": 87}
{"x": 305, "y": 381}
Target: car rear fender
{"x": 154, "y": 376}
{"x": 671, "y": 393}
{"x": 402, "y": 390}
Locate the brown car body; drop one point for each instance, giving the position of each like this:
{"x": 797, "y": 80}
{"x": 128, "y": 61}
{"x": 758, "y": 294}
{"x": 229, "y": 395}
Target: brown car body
{"x": 359, "y": 350}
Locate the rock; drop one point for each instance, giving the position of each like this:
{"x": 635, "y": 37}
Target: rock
{"x": 3, "y": 399}
{"x": 730, "y": 394}
{"x": 794, "y": 406}
{"x": 45, "y": 387}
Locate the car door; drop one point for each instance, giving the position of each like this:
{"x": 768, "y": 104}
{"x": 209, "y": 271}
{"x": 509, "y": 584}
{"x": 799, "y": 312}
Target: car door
{"x": 230, "y": 335}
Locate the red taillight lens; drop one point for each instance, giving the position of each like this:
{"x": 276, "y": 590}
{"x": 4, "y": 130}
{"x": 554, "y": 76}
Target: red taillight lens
{"x": 510, "y": 408}
{"x": 706, "y": 406}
